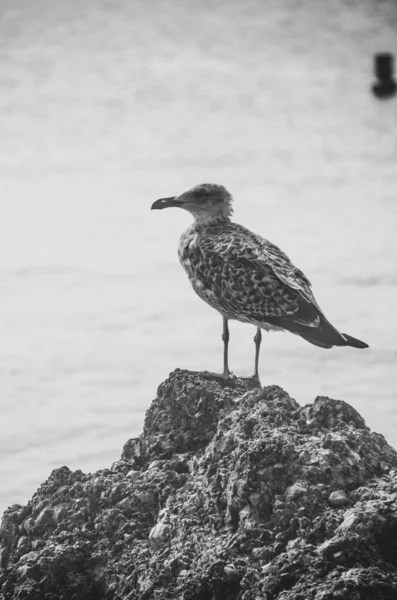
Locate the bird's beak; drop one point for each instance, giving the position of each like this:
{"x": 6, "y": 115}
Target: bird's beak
{"x": 166, "y": 203}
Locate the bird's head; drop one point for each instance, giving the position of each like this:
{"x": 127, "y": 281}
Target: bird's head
{"x": 206, "y": 201}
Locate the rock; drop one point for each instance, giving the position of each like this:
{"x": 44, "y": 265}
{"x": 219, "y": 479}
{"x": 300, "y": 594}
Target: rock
{"x": 133, "y": 475}
{"x": 338, "y": 498}
{"x": 292, "y": 492}
{"x": 159, "y": 534}
{"x": 230, "y": 493}
{"x": 23, "y": 545}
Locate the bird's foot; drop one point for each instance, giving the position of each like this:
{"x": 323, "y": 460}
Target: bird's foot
{"x": 254, "y": 378}
{"x": 225, "y": 376}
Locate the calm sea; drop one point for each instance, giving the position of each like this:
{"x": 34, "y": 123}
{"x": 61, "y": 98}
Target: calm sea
{"x": 107, "y": 105}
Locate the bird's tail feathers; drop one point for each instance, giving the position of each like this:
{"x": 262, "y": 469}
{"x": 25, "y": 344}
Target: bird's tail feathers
{"x": 324, "y": 335}
{"x": 327, "y": 336}
{"x": 354, "y": 342}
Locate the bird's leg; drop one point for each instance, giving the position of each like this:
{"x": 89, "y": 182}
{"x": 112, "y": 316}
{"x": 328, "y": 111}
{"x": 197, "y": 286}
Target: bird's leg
{"x": 227, "y": 374}
{"x": 257, "y": 340}
{"x": 225, "y": 338}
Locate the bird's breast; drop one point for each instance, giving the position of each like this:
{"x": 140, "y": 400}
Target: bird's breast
{"x": 192, "y": 260}
{"x": 187, "y": 250}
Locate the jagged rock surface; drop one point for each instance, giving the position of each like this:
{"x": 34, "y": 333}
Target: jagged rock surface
{"x": 230, "y": 493}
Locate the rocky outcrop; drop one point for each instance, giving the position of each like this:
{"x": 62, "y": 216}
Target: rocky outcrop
{"x": 230, "y": 493}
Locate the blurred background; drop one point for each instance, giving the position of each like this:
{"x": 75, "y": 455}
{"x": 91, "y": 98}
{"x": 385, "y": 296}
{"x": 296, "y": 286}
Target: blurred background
{"x": 107, "y": 105}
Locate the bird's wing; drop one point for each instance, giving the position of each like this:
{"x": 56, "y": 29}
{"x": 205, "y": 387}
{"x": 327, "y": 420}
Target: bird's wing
{"x": 253, "y": 278}
{"x": 307, "y": 311}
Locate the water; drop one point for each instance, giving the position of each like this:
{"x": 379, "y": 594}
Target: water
{"x": 108, "y": 105}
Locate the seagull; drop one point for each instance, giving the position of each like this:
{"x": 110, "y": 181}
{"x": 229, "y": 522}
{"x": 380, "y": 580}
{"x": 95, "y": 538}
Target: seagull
{"x": 245, "y": 277}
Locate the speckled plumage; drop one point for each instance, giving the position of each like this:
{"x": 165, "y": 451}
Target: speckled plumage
{"x": 240, "y": 274}
{"x": 244, "y": 276}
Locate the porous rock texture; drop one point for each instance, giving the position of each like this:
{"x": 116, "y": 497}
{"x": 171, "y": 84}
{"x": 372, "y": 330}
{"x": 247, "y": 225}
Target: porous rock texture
{"x": 230, "y": 493}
